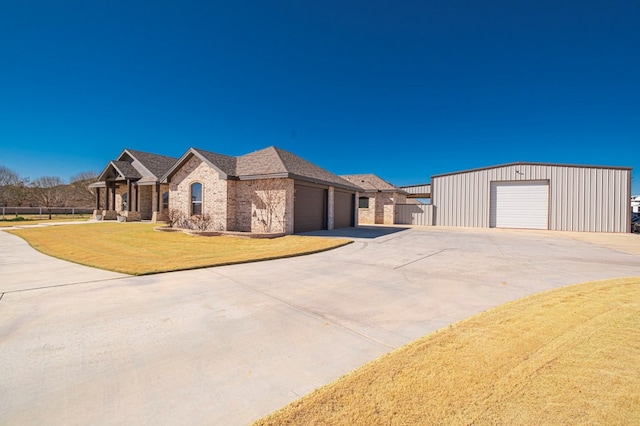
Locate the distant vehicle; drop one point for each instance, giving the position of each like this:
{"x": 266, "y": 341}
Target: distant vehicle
{"x": 635, "y": 222}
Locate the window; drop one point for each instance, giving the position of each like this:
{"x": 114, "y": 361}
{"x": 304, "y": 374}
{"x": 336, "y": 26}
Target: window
{"x": 363, "y": 202}
{"x": 196, "y": 198}
{"x": 165, "y": 201}
{"x": 125, "y": 200}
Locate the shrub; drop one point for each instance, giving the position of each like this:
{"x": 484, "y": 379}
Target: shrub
{"x": 200, "y": 222}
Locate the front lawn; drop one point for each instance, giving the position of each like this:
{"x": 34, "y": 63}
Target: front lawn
{"x": 569, "y": 356}
{"x": 34, "y": 219}
{"x": 135, "y": 248}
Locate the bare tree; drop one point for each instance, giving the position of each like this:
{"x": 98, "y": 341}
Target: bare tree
{"x": 175, "y": 218}
{"x": 8, "y": 181}
{"x": 49, "y": 192}
{"x": 200, "y": 222}
{"x": 80, "y": 195}
{"x": 21, "y": 192}
{"x": 270, "y": 202}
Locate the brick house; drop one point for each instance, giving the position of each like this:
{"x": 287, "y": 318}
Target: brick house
{"x": 130, "y": 186}
{"x": 270, "y": 190}
{"x": 377, "y": 199}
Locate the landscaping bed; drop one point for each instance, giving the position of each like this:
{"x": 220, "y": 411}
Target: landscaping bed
{"x": 221, "y": 233}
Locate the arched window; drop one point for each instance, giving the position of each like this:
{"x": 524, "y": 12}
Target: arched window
{"x": 196, "y": 198}
{"x": 165, "y": 201}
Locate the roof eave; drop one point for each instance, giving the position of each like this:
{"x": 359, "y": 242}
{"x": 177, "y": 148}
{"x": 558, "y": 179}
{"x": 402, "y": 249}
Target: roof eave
{"x": 264, "y": 176}
{"x": 530, "y": 163}
{"x": 324, "y": 182}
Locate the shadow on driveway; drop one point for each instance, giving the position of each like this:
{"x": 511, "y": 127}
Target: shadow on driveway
{"x": 359, "y": 232}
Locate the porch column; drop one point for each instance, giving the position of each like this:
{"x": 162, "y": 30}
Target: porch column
{"x": 137, "y": 209}
{"x": 129, "y": 197}
{"x": 157, "y": 206}
{"x": 113, "y": 196}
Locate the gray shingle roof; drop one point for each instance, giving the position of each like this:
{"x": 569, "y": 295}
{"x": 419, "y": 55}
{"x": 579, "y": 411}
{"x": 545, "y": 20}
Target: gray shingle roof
{"x": 126, "y": 169}
{"x": 225, "y": 163}
{"x": 273, "y": 160}
{"x": 267, "y": 162}
{"x": 158, "y": 165}
{"x": 371, "y": 182}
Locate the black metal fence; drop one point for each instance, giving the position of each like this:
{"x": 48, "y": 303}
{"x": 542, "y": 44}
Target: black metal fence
{"x": 43, "y": 212}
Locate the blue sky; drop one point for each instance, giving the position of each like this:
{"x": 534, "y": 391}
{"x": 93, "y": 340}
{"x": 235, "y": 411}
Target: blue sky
{"x": 402, "y": 89}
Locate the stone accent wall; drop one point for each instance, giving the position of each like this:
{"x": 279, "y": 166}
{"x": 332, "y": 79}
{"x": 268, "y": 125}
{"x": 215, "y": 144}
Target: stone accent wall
{"x": 145, "y": 194}
{"x": 383, "y": 200}
{"x": 356, "y": 219}
{"x": 161, "y": 214}
{"x": 232, "y": 205}
{"x": 331, "y": 206}
{"x": 390, "y": 202}
{"x": 259, "y": 202}
{"x": 367, "y": 216}
{"x": 214, "y": 192}
{"x": 245, "y": 206}
{"x": 120, "y": 190}
{"x": 381, "y": 208}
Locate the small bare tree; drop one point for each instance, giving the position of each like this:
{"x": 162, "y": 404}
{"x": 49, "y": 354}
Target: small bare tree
{"x": 175, "y": 218}
{"x": 49, "y": 192}
{"x": 8, "y": 182}
{"x": 80, "y": 195}
{"x": 200, "y": 222}
{"x": 270, "y": 204}
{"x": 21, "y": 192}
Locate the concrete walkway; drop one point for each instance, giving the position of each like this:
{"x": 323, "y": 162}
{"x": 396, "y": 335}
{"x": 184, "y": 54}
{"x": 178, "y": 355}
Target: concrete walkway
{"x": 231, "y": 344}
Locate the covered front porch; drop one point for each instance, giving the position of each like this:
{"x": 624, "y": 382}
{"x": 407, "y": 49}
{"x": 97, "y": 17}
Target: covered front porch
{"x": 122, "y": 194}
{"x": 129, "y": 201}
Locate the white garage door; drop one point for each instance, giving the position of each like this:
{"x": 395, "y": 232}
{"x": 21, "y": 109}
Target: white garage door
{"x": 520, "y": 205}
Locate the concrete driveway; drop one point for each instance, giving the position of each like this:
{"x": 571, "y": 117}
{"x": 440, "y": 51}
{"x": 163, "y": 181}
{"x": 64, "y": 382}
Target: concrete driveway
{"x": 228, "y": 345}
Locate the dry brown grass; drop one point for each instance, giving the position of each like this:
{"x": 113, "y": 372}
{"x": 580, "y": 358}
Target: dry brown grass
{"x": 567, "y": 356}
{"x": 23, "y": 220}
{"x": 135, "y": 248}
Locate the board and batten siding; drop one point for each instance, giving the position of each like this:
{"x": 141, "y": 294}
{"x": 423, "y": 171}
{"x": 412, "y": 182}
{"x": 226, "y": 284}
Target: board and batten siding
{"x": 581, "y": 198}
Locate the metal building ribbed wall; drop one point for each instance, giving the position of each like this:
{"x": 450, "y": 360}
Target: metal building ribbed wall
{"x": 414, "y": 214}
{"x": 580, "y": 198}
{"x": 417, "y": 189}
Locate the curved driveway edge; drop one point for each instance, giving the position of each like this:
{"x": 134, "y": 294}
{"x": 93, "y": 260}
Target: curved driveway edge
{"x": 23, "y": 268}
{"x": 228, "y": 345}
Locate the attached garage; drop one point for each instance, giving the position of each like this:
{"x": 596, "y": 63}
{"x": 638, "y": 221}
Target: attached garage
{"x": 559, "y": 197}
{"x": 344, "y": 207}
{"x": 309, "y": 208}
{"x": 520, "y": 205}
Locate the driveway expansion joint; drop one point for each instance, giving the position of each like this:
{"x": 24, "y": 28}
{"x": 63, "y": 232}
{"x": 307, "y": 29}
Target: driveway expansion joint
{"x": 64, "y": 285}
{"x": 419, "y": 259}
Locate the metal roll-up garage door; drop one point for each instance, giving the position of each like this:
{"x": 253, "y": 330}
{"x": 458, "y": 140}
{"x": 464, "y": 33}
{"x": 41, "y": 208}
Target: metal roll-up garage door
{"x": 520, "y": 205}
{"x": 309, "y": 209}
{"x": 343, "y": 209}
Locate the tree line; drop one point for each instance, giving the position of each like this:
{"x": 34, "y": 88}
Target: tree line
{"x": 46, "y": 191}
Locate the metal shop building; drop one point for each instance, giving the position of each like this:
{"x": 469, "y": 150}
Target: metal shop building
{"x": 559, "y": 197}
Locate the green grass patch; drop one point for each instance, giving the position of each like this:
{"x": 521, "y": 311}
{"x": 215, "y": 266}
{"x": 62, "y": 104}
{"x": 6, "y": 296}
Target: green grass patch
{"x": 137, "y": 249}
{"x": 563, "y": 357}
